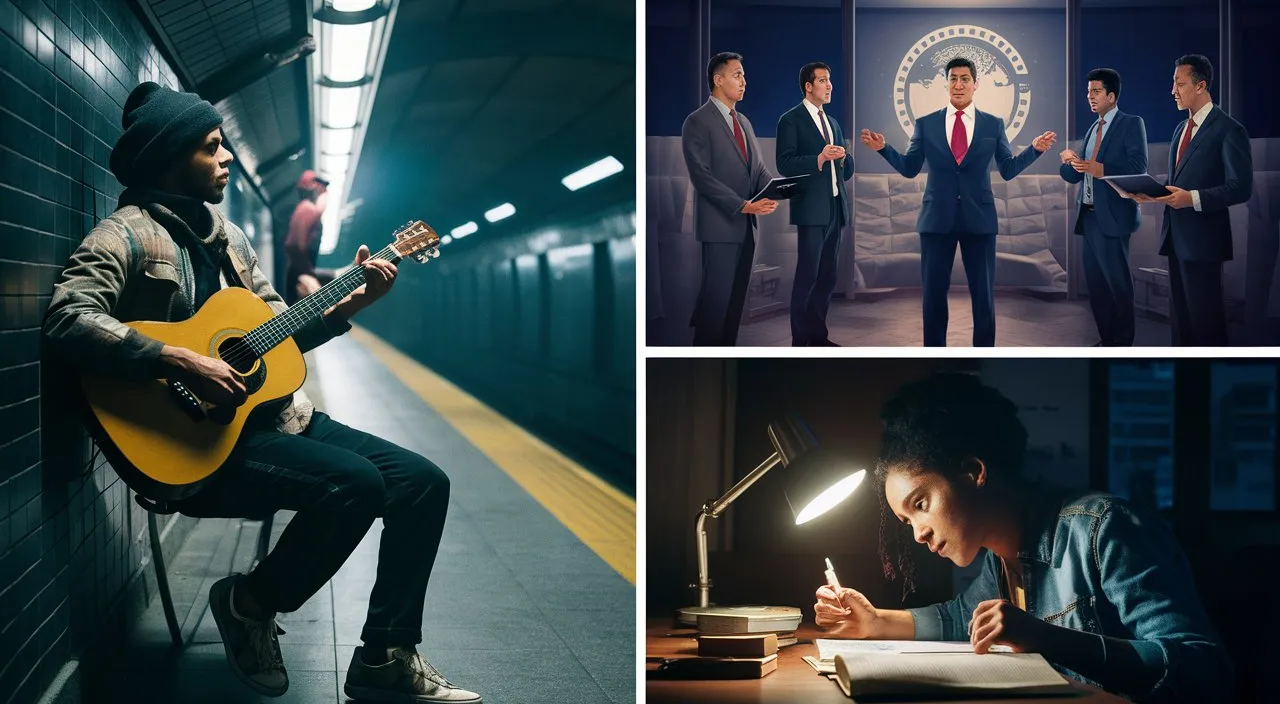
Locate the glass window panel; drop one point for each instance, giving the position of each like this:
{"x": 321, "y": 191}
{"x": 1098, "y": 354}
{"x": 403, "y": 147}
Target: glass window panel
{"x": 1243, "y": 427}
{"x": 1140, "y": 452}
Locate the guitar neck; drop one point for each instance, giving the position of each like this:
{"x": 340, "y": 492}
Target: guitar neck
{"x": 284, "y": 325}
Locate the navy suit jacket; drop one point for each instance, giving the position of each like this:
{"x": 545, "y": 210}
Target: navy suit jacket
{"x": 1123, "y": 152}
{"x": 1217, "y": 163}
{"x": 799, "y": 142}
{"x": 967, "y": 183}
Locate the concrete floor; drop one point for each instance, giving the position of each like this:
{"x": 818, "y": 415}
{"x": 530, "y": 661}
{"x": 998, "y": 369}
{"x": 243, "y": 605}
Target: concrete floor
{"x": 518, "y": 608}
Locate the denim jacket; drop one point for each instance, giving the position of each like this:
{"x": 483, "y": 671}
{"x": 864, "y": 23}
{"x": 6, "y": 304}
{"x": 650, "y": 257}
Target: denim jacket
{"x": 1094, "y": 563}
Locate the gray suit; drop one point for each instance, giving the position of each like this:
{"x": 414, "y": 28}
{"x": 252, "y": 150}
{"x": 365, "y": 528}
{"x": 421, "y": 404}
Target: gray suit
{"x": 724, "y": 181}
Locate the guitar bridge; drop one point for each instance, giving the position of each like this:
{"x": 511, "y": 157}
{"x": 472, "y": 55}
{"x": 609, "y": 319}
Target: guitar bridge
{"x": 186, "y": 400}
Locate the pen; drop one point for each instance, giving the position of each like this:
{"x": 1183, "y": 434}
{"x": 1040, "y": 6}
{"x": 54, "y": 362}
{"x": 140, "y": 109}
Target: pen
{"x": 831, "y": 576}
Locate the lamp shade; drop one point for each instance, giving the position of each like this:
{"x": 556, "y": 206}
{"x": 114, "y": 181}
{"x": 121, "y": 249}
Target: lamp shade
{"x": 817, "y": 479}
{"x": 791, "y": 439}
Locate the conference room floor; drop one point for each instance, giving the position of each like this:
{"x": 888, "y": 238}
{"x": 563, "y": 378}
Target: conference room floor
{"x": 894, "y": 321}
{"x": 524, "y": 605}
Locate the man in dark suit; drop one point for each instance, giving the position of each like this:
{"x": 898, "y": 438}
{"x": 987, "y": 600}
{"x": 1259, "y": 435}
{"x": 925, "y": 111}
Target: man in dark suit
{"x": 959, "y": 143}
{"x": 726, "y": 168}
{"x": 810, "y": 142}
{"x": 1116, "y": 144}
{"x": 1210, "y": 169}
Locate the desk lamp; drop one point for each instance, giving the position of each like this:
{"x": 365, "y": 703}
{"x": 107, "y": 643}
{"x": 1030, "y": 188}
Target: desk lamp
{"x": 817, "y": 482}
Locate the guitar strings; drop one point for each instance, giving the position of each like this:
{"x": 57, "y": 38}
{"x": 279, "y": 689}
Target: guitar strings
{"x": 245, "y": 348}
{"x": 263, "y": 335}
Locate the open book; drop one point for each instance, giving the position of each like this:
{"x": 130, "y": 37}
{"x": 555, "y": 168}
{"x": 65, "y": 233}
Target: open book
{"x": 926, "y": 674}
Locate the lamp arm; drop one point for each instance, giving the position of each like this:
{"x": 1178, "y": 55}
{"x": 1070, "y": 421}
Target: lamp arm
{"x": 713, "y": 509}
{"x": 704, "y": 580}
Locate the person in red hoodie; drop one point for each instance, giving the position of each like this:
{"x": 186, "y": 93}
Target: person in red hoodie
{"x": 302, "y": 245}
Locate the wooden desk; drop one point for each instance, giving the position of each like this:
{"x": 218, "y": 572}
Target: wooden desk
{"x": 793, "y": 681}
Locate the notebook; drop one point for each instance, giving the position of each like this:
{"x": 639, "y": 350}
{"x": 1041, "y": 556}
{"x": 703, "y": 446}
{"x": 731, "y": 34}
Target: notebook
{"x": 927, "y": 674}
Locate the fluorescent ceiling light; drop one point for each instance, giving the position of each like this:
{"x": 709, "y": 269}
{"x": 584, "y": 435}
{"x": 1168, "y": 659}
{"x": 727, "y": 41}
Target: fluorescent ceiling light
{"x": 335, "y": 163}
{"x": 347, "y": 55}
{"x": 463, "y": 230}
{"x": 446, "y": 239}
{"x": 353, "y": 5}
{"x": 561, "y": 255}
{"x": 341, "y": 105}
{"x": 604, "y": 168}
{"x": 505, "y": 210}
{"x": 336, "y": 141}
{"x": 329, "y": 233}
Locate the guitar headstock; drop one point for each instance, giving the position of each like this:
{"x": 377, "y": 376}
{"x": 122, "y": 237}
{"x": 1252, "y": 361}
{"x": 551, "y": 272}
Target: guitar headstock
{"x": 418, "y": 240}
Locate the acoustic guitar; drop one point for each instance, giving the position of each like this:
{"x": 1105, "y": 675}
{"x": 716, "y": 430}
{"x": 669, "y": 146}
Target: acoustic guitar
{"x": 162, "y": 440}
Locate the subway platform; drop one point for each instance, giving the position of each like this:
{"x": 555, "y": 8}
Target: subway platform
{"x": 532, "y": 598}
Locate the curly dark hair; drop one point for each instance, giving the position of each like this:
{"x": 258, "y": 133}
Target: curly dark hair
{"x": 934, "y": 425}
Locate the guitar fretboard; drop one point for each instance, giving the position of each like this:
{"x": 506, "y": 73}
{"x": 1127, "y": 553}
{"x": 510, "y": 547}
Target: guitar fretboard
{"x": 265, "y": 337}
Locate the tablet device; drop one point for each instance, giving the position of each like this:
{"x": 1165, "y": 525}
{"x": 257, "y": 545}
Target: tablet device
{"x": 780, "y": 188}
{"x": 1139, "y": 183}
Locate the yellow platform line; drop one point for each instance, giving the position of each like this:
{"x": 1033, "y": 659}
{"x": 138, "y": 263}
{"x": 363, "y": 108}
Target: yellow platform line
{"x": 602, "y": 517}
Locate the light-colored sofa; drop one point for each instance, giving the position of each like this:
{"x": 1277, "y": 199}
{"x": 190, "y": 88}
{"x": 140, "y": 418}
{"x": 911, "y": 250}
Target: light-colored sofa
{"x": 1030, "y": 241}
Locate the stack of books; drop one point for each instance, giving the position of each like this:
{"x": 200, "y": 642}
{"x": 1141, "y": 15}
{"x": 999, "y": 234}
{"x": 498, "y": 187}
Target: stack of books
{"x": 721, "y": 657}
{"x": 780, "y": 621}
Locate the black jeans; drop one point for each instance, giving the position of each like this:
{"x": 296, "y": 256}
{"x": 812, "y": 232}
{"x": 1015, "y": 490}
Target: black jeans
{"x": 339, "y": 480}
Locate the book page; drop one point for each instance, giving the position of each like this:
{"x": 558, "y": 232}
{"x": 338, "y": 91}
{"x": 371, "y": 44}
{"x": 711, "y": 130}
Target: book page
{"x": 829, "y": 648}
{"x": 875, "y": 673}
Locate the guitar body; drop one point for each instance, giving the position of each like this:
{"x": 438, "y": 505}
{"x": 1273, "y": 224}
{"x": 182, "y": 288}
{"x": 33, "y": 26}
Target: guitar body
{"x": 163, "y": 448}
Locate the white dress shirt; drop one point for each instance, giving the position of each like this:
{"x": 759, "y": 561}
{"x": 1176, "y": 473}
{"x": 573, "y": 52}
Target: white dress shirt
{"x": 968, "y": 124}
{"x": 823, "y": 124}
{"x": 1201, "y": 115}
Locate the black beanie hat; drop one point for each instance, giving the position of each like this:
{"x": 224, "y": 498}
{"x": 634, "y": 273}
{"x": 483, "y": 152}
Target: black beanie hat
{"x": 159, "y": 125}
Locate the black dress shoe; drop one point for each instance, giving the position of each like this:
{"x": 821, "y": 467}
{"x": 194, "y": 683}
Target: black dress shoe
{"x": 823, "y": 343}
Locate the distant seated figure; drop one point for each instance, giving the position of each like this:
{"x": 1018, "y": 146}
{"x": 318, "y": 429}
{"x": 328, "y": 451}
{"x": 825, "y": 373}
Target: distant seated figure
{"x": 302, "y": 245}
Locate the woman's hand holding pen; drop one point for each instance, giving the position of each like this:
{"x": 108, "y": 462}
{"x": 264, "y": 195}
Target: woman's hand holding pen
{"x": 998, "y": 622}
{"x": 845, "y": 613}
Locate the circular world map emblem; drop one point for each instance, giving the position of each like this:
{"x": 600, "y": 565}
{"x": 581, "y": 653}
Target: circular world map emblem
{"x": 1004, "y": 85}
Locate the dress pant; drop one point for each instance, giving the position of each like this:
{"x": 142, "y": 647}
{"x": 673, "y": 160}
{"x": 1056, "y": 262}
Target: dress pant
{"x": 937, "y": 255}
{"x": 816, "y": 250}
{"x": 726, "y": 273}
{"x": 1197, "y": 305}
{"x": 1106, "y": 271}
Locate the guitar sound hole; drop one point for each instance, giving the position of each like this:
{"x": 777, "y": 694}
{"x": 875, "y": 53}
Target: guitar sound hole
{"x": 236, "y": 352}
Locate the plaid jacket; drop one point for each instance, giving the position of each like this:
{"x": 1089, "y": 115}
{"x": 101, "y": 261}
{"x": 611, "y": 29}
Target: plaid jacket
{"x": 129, "y": 268}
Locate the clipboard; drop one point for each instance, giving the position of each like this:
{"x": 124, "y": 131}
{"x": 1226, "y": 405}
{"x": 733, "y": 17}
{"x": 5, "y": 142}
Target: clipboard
{"x": 781, "y": 188}
{"x": 1138, "y": 183}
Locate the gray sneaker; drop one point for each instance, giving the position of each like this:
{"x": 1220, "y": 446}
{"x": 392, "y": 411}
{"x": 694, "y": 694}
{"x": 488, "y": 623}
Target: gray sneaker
{"x": 407, "y": 678}
{"x": 252, "y": 647}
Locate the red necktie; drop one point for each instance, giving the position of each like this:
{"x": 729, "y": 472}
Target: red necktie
{"x": 1097, "y": 141}
{"x": 1186, "y": 139}
{"x": 1097, "y": 147}
{"x": 959, "y": 138}
{"x": 737, "y": 135}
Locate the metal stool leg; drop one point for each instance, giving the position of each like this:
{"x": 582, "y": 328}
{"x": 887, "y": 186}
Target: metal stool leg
{"x": 162, "y": 580}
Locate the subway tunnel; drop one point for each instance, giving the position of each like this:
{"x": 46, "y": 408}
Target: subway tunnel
{"x": 507, "y": 359}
